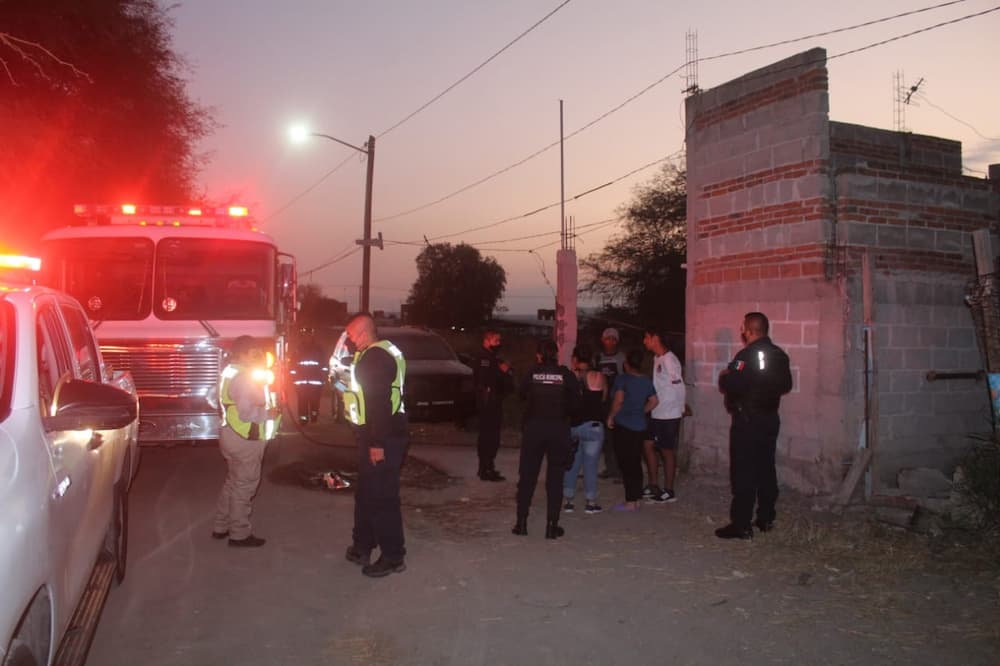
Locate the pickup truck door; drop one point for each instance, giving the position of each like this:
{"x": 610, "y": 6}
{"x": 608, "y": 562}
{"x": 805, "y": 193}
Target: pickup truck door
{"x": 74, "y": 539}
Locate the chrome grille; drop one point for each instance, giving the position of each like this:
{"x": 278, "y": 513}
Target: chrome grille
{"x": 168, "y": 370}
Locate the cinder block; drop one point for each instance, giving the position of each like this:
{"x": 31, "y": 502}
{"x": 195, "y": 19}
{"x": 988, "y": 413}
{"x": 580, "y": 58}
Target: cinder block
{"x": 809, "y": 231}
{"x": 788, "y": 152}
{"x": 906, "y": 381}
{"x": 918, "y": 315}
{"x": 916, "y": 403}
{"x": 890, "y": 236}
{"x": 917, "y": 359}
{"x": 946, "y": 359}
{"x": 946, "y": 240}
{"x": 759, "y": 160}
{"x": 860, "y": 233}
{"x": 963, "y": 337}
{"x": 891, "y": 404}
{"x": 786, "y": 333}
{"x": 892, "y": 190}
{"x": 920, "y": 238}
{"x": 934, "y": 336}
{"x": 889, "y": 359}
{"x": 807, "y": 311}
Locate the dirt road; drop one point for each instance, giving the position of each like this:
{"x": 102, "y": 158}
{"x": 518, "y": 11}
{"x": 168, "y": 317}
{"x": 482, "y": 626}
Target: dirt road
{"x": 648, "y": 588}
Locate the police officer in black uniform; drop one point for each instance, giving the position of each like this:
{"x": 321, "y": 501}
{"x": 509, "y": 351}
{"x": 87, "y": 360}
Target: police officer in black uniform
{"x": 753, "y": 384}
{"x": 552, "y": 393}
{"x": 493, "y": 379}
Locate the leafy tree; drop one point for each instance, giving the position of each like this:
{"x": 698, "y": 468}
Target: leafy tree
{"x": 641, "y": 268}
{"x": 317, "y": 310}
{"x": 455, "y": 286}
{"x": 92, "y": 109}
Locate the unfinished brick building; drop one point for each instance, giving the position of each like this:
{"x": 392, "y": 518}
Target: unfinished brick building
{"x": 857, "y": 243}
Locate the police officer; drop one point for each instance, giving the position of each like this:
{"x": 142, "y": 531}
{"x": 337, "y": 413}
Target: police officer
{"x": 308, "y": 372}
{"x": 493, "y": 379}
{"x": 373, "y": 404}
{"x": 551, "y": 393}
{"x": 753, "y": 384}
{"x": 250, "y": 419}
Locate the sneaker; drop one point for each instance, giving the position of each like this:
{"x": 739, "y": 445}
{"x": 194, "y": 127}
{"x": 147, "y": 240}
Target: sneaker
{"x": 666, "y": 496}
{"x": 593, "y": 508}
{"x": 648, "y": 492}
{"x": 249, "y": 542}
{"x": 568, "y": 507}
{"x": 383, "y": 567}
{"x": 731, "y": 531}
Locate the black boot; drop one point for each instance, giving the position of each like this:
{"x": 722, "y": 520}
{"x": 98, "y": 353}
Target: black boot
{"x": 552, "y": 530}
{"x": 521, "y": 526}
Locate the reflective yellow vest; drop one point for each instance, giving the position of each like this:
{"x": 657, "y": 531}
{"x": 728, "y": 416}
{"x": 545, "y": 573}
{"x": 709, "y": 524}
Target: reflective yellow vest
{"x": 231, "y": 415}
{"x": 354, "y": 397}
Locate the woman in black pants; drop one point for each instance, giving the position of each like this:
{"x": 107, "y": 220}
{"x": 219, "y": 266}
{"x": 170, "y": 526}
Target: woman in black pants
{"x": 633, "y": 398}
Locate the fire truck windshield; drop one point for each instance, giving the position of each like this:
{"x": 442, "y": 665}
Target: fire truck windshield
{"x": 111, "y": 277}
{"x": 183, "y": 278}
{"x": 201, "y": 278}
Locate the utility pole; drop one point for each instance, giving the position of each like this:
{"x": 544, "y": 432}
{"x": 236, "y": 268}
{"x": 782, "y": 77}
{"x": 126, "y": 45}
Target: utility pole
{"x": 366, "y": 242}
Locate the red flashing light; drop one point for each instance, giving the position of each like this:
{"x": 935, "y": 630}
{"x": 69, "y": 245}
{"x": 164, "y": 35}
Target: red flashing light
{"x": 194, "y": 212}
{"x": 19, "y": 261}
{"x": 128, "y": 209}
{"x": 238, "y": 211}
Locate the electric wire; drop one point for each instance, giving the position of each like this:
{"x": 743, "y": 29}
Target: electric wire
{"x": 475, "y": 69}
{"x": 332, "y": 261}
{"x": 664, "y": 78}
{"x": 924, "y": 98}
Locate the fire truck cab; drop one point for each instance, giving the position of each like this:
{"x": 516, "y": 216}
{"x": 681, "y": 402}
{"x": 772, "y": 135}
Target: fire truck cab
{"x": 167, "y": 289}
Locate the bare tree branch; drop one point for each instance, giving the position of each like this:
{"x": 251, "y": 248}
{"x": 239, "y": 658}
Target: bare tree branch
{"x": 25, "y": 49}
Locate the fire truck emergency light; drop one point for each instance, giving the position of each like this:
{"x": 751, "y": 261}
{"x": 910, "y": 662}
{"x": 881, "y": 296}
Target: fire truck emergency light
{"x": 20, "y": 261}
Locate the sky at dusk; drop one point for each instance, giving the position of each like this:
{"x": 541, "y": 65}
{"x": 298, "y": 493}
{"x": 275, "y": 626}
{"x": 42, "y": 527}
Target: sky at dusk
{"x": 349, "y": 69}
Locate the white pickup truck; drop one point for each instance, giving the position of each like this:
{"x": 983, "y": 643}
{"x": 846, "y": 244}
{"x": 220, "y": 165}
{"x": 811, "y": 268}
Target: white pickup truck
{"x": 68, "y": 431}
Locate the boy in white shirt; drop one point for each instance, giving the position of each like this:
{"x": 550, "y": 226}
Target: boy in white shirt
{"x": 665, "y": 419}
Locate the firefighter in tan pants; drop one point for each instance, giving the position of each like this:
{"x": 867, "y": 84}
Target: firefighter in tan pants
{"x": 249, "y": 421}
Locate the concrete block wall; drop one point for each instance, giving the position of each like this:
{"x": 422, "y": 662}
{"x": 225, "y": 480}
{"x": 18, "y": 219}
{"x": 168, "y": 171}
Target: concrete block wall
{"x": 902, "y": 198}
{"x": 782, "y": 204}
{"x": 760, "y": 228}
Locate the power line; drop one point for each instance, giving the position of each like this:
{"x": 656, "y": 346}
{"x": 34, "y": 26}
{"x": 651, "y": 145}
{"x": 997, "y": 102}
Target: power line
{"x": 332, "y": 261}
{"x": 306, "y": 191}
{"x": 475, "y": 69}
{"x": 923, "y": 96}
{"x": 553, "y": 205}
{"x": 653, "y": 85}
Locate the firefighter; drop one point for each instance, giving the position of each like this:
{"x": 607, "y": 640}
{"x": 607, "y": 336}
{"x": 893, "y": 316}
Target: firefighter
{"x": 753, "y": 384}
{"x": 309, "y": 371}
{"x": 250, "y": 419}
{"x": 493, "y": 380}
{"x": 551, "y": 393}
{"x": 373, "y": 404}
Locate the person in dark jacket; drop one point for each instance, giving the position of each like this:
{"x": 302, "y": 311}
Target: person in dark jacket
{"x": 309, "y": 372}
{"x": 551, "y": 392}
{"x": 753, "y": 384}
{"x": 493, "y": 380}
{"x": 374, "y": 405}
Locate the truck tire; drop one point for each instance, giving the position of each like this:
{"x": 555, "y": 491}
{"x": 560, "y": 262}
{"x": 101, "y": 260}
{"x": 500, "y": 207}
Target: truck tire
{"x": 116, "y": 538}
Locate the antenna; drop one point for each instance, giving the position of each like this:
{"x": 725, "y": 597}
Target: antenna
{"x": 691, "y": 62}
{"x": 898, "y": 103}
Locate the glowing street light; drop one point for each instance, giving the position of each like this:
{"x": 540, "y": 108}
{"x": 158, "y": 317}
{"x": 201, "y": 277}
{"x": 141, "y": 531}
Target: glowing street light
{"x": 300, "y": 134}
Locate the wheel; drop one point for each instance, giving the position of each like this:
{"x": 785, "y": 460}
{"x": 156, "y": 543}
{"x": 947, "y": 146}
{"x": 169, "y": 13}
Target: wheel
{"x": 19, "y": 654}
{"x": 116, "y": 539}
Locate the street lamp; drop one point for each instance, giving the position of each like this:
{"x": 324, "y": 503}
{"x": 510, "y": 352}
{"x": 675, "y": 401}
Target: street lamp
{"x": 300, "y": 134}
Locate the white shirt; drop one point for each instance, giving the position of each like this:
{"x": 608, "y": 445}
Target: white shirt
{"x": 669, "y": 384}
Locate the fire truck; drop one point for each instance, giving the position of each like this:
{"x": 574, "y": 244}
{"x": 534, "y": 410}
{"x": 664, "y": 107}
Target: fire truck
{"x": 167, "y": 289}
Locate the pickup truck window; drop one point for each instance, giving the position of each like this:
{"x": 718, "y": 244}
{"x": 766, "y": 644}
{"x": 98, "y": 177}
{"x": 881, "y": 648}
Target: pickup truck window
{"x": 83, "y": 343}
{"x": 6, "y": 357}
{"x": 53, "y": 358}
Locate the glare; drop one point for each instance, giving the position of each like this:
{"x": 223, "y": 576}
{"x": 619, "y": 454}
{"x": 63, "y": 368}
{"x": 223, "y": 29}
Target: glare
{"x": 298, "y": 133}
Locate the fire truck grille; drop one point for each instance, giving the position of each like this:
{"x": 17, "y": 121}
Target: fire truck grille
{"x": 168, "y": 370}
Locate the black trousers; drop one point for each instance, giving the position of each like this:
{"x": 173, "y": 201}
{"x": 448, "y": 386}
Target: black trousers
{"x": 488, "y": 443}
{"x": 628, "y": 449}
{"x": 308, "y": 397}
{"x": 378, "y": 519}
{"x": 549, "y": 440}
{"x": 752, "y": 473}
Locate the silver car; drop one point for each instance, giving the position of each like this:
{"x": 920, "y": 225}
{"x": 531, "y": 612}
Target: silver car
{"x": 68, "y": 429}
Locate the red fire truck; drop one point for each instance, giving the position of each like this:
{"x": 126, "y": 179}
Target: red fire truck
{"x": 167, "y": 289}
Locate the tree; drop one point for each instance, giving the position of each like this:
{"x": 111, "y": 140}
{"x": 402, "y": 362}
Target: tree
{"x": 455, "y": 286}
{"x": 92, "y": 110}
{"x": 316, "y": 310}
{"x": 642, "y": 268}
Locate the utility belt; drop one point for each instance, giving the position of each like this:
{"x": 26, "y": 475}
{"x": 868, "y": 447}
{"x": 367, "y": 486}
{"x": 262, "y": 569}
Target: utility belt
{"x": 747, "y": 412}
{"x": 252, "y": 436}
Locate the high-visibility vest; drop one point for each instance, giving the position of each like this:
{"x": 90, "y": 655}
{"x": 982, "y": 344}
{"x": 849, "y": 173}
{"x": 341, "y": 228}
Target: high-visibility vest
{"x": 354, "y": 397}
{"x": 231, "y": 415}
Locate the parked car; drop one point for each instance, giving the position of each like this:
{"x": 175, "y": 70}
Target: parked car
{"x": 68, "y": 432}
{"x": 437, "y": 386}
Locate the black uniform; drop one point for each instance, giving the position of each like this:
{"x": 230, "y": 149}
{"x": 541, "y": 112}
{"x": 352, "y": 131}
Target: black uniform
{"x": 309, "y": 372}
{"x": 551, "y": 393}
{"x": 492, "y": 384}
{"x": 610, "y": 365}
{"x": 758, "y": 376}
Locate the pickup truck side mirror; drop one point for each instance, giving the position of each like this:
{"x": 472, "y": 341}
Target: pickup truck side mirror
{"x": 80, "y": 405}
